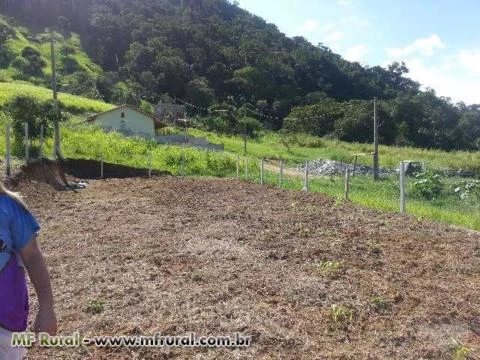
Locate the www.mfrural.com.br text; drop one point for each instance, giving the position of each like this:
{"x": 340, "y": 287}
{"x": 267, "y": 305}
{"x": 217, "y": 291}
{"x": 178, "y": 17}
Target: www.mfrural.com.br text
{"x": 28, "y": 339}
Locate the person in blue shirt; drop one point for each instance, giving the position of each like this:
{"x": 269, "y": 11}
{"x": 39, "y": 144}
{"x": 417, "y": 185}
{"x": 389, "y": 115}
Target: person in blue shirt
{"x": 19, "y": 250}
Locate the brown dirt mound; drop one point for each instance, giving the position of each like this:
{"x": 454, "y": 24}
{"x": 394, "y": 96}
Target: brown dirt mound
{"x": 42, "y": 171}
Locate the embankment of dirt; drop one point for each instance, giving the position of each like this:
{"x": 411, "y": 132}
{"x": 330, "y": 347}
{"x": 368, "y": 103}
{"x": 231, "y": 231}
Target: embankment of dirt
{"x": 42, "y": 171}
{"x": 90, "y": 169}
{"x": 55, "y": 173}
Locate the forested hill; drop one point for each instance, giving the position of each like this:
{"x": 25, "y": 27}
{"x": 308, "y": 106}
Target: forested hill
{"x": 212, "y": 52}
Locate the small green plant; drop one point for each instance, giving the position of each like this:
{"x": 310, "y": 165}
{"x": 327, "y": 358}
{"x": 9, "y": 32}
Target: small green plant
{"x": 380, "y": 304}
{"x": 341, "y": 313}
{"x": 328, "y": 267}
{"x": 95, "y": 306}
{"x": 303, "y": 231}
{"x": 339, "y": 200}
{"x": 375, "y": 247}
{"x": 294, "y": 206}
{"x": 459, "y": 350}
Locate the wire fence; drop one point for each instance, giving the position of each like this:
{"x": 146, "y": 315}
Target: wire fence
{"x": 453, "y": 200}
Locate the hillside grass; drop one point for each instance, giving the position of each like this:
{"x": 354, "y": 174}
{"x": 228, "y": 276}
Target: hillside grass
{"x": 83, "y": 142}
{"x": 72, "y": 41}
{"x": 71, "y": 103}
{"x": 270, "y": 146}
{"x": 41, "y": 42}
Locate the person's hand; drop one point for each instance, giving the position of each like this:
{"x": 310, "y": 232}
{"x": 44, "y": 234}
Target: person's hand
{"x": 45, "y": 321}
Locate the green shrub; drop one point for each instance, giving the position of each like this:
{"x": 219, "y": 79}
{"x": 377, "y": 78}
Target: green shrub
{"x": 467, "y": 189}
{"x": 426, "y": 185}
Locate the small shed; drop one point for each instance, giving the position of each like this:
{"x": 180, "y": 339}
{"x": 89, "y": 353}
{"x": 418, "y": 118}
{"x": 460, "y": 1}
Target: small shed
{"x": 129, "y": 121}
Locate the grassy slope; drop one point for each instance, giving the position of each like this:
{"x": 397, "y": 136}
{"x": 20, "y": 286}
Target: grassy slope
{"x": 72, "y": 103}
{"x": 41, "y": 42}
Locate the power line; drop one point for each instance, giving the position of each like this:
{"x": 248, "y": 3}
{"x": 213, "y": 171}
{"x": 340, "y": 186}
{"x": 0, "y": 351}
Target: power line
{"x": 213, "y": 111}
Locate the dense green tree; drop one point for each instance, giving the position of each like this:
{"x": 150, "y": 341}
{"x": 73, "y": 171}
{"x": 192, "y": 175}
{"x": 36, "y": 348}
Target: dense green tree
{"x": 199, "y": 92}
{"x": 27, "y": 109}
{"x": 6, "y": 57}
{"x": 81, "y": 83}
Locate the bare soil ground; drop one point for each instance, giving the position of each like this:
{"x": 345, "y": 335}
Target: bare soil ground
{"x": 215, "y": 257}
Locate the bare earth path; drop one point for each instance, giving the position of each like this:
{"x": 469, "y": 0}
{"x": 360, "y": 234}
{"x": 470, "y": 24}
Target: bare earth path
{"x": 216, "y": 257}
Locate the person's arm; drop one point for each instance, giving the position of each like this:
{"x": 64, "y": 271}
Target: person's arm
{"x": 37, "y": 270}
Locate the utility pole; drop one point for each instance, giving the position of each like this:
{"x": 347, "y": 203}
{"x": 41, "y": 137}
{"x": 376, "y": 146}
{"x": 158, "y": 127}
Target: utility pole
{"x": 375, "y": 140}
{"x": 56, "y": 147}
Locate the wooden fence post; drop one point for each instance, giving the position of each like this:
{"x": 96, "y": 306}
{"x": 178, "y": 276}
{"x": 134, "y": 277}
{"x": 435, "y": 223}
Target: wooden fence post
{"x": 305, "y": 179}
{"x": 347, "y": 183}
{"x": 42, "y": 140}
{"x": 101, "y": 165}
{"x": 261, "y": 172}
{"x": 402, "y": 188}
{"x": 246, "y": 169}
{"x": 27, "y": 155}
{"x": 150, "y": 164}
{"x": 238, "y": 167}
{"x": 280, "y": 180}
{"x": 182, "y": 166}
{"x": 8, "y": 169}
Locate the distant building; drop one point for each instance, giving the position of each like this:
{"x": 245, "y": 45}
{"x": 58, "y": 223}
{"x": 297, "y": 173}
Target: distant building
{"x": 129, "y": 121}
{"x": 170, "y": 113}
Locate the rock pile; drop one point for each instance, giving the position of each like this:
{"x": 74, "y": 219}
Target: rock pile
{"x": 331, "y": 167}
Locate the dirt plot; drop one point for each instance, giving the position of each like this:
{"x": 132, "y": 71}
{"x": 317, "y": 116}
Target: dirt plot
{"x": 215, "y": 257}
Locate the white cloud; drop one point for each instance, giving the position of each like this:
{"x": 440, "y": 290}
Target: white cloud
{"x": 332, "y": 37}
{"x": 356, "y": 53}
{"x": 446, "y": 78}
{"x": 329, "y": 27}
{"x": 308, "y": 26}
{"x": 470, "y": 59}
{"x": 423, "y": 46}
{"x": 355, "y": 20}
{"x": 344, "y": 3}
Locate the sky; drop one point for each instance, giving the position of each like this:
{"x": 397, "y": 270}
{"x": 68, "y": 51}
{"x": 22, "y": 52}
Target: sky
{"x": 439, "y": 40}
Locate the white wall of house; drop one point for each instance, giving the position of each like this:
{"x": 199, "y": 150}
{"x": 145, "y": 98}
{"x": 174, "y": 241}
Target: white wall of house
{"x": 132, "y": 122}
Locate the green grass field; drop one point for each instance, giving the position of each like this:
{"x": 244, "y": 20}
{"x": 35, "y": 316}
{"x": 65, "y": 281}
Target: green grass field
{"x": 269, "y": 146}
{"x": 71, "y": 103}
